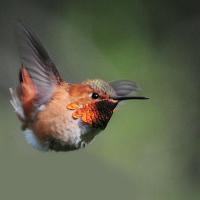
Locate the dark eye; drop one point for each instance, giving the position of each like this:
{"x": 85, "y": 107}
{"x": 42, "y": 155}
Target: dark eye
{"x": 95, "y": 95}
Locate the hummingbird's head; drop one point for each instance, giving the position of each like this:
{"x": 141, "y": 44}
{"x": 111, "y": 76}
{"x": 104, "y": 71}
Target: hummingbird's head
{"x": 95, "y": 100}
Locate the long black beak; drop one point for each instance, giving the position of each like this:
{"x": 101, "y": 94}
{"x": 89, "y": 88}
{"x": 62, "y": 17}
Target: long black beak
{"x": 118, "y": 98}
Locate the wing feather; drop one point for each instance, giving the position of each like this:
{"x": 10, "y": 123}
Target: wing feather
{"x": 35, "y": 59}
{"x": 124, "y": 87}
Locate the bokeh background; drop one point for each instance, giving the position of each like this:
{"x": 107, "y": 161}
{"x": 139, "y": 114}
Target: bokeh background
{"x": 150, "y": 149}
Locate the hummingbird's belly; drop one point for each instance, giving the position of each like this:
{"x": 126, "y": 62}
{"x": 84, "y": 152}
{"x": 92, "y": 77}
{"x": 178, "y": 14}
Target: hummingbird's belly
{"x": 75, "y": 136}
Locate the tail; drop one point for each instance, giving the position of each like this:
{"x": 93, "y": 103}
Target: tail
{"x": 16, "y": 104}
{"x": 23, "y": 96}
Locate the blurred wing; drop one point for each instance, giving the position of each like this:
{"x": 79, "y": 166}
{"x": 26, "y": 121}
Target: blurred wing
{"x": 124, "y": 87}
{"x": 37, "y": 62}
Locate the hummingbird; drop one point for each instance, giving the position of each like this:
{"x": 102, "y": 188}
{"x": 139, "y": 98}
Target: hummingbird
{"x": 57, "y": 115}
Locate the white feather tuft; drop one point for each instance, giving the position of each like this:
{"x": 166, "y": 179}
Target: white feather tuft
{"x": 32, "y": 139}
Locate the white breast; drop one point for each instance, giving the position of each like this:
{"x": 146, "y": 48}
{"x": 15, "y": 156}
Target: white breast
{"x": 79, "y": 134}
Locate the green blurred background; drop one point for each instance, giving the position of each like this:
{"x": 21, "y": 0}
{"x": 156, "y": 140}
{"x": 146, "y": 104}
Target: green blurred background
{"x": 150, "y": 149}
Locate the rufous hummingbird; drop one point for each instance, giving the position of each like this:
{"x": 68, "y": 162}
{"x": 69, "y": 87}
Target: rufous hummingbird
{"x": 57, "y": 115}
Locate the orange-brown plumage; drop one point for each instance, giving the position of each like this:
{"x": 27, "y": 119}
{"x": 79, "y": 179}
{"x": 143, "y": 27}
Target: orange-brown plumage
{"x": 27, "y": 92}
{"x": 57, "y": 115}
{"x": 52, "y": 115}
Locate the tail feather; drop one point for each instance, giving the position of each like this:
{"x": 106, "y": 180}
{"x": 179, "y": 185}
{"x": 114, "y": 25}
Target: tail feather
{"x": 16, "y": 104}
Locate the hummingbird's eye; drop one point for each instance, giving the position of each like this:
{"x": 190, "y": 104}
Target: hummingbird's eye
{"x": 95, "y": 95}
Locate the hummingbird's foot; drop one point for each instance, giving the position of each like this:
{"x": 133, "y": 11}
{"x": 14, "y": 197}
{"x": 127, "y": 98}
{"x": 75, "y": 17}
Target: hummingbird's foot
{"x": 83, "y": 144}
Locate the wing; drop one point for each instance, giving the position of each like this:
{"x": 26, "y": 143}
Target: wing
{"x": 38, "y": 64}
{"x": 124, "y": 87}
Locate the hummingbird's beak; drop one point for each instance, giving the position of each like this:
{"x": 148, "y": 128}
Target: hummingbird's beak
{"x": 122, "y": 98}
